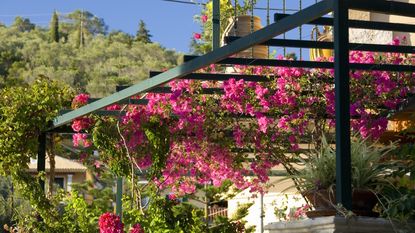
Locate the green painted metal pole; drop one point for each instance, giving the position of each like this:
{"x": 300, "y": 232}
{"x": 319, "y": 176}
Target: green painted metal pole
{"x": 206, "y": 207}
{"x": 41, "y": 157}
{"x": 342, "y": 90}
{"x": 118, "y": 204}
{"x": 216, "y": 24}
{"x": 262, "y": 214}
{"x": 284, "y": 8}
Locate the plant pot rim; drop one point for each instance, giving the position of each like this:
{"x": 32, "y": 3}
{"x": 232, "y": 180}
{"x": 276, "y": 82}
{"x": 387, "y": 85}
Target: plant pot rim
{"x": 359, "y": 190}
{"x": 244, "y": 16}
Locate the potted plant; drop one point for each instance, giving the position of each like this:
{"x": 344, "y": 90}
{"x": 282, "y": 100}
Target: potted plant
{"x": 243, "y": 24}
{"x": 370, "y": 172}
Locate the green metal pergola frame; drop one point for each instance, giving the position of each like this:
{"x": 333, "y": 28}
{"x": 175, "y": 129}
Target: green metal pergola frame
{"x": 283, "y": 23}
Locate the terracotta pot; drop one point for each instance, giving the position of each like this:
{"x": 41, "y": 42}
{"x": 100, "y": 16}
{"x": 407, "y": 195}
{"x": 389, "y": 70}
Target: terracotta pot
{"x": 324, "y": 202}
{"x": 243, "y": 28}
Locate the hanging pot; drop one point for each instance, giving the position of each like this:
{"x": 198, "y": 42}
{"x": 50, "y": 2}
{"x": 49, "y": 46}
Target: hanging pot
{"x": 325, "y": 36}
{"x": 241, "y": 26}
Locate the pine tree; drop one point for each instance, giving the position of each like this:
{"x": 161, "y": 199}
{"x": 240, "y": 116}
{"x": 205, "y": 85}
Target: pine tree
{"x": 143, "y": 35}
{"x": 54, "y": 28}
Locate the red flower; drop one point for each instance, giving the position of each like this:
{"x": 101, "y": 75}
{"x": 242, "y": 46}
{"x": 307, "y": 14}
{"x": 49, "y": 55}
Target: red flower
{"x": 197, "y": 36}
{"x": 137, "y": 229}
{"x": 80, "y": 100}
{"x": 204, "y": 18}
{"x": 81, "y": 123}
{"x": 110, "y": 223}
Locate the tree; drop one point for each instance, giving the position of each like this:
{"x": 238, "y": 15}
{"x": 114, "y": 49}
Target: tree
{"x": 143, "y": 34}
{"x": 90, "y": 23}
{"x": 119, "y": 36}
{"x": 24, "y": 113}
{"x": 23, "y": 24}
{"x": 54, "y": 28}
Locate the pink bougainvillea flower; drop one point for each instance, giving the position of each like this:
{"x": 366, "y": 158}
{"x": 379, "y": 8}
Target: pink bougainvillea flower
{"x": 197, "y": 36}
{"x": 97, "y": 164}
{"x": 172, "y": 196}
{"x": 81, "y": 139}
{"x": 204, "y": 18}
{"x": 113, "y": 107}
{"x": 137, "y": 229}
{"x": 110, "y": 223}
{"x": 80, "y": 100}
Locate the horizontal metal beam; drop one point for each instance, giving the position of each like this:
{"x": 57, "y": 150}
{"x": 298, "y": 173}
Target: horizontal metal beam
{"x": 167, "y": 90}
{"x": 219, "y": 77}
{"x": 124, "y": 101}
{"x": 62, "y": 129}
{"x": 398, "y": 27}
{"x": 311, "y": 64}
{"x": 329, "y": 45}
{"x": 270, "y": 62}
{"x": 382, "y": 67}
{"x": 99, "y": 112}
{"x": 384, "y": 7}
{"x": 317, "y": 10}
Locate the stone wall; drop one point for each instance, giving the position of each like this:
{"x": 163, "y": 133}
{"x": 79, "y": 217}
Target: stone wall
{"x": 376, "y": 36}
{"x": 340, "y": 225}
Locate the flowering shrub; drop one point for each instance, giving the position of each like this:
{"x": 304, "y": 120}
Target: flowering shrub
{"x": 110, "y": 223}
{"x": 185, "y": 137}
{"x": 137, "y": 229}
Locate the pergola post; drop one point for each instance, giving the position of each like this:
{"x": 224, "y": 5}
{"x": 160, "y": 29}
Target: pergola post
{"x": 342, "y": 92}
{"x": 41, "y": 157}
{"x": 118, "y": 198}
{"x": 216, "y": 24}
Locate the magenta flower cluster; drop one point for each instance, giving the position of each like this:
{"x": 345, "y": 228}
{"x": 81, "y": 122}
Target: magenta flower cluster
{"x": 137, "y": 229}
{"x": 110, "y": 223}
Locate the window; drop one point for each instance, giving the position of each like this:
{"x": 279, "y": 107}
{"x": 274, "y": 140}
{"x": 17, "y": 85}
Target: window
{"x": 60, "y": 182}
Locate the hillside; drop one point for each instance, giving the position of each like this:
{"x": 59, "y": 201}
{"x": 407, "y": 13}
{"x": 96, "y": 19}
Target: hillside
{"x": 79, "y": 53}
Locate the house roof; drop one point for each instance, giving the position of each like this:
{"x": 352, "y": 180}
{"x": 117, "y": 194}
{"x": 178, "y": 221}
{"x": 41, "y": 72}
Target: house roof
{"x": 61, "y": 165}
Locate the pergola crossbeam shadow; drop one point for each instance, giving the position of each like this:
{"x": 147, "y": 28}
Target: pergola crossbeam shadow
{"x": 284, "y": 23}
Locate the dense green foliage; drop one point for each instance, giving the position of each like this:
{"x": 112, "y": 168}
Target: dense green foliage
{"x": 25, "y": 112}
{"x": 170, "y": 215}
{"x": 104, "y": 60}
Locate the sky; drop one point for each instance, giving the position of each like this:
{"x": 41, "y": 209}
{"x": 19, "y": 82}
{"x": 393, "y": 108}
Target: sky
{"x": 171, "y": 24}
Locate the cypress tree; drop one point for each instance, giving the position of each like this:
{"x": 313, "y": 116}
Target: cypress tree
{"x": 54, "y": 28}
{"x": 143, "y": 35}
